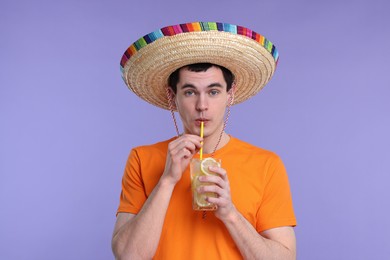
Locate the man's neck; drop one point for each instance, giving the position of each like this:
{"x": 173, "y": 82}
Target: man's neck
{"x": 212, "y": 143}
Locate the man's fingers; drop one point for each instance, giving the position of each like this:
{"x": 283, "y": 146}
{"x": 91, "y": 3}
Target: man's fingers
{"x": 188, "y": 142}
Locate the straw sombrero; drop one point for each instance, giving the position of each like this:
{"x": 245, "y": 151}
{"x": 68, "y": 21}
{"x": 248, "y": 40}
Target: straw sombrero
{"x": 148, "y": 62}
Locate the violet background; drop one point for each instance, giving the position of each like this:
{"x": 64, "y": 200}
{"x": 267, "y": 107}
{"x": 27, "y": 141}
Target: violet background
{"x": 68, "y": 122}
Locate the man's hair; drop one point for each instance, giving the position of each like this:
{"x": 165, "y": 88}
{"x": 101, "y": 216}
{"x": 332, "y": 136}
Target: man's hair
{"x": 199, "y": 67}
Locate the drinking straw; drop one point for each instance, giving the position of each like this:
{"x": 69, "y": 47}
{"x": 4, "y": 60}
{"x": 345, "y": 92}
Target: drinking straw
{"x": 201, "y": 136}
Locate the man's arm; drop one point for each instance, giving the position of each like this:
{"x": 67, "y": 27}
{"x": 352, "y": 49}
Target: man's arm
{"x": 137, "y": 236}
{"x": 276, "y": 243}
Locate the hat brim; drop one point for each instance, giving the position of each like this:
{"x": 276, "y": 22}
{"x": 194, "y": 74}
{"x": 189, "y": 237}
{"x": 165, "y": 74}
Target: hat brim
{"x": 146, "y": 70}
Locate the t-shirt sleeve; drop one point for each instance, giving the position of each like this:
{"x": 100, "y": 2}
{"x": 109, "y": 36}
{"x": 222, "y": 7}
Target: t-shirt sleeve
{"x": 133, "y": 194}
{"x": 276, "y": 209}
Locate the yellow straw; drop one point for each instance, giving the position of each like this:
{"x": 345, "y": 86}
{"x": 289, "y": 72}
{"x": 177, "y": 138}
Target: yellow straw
{"x": 201, "y": 136}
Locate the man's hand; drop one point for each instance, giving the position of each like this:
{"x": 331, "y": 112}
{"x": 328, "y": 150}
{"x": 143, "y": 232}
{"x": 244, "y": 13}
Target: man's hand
{"x": 222, "y": 188}
{"x": 179, "y": 155}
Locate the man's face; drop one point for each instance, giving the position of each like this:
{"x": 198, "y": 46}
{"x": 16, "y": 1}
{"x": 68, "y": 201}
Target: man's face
{"x": 202, "y": 96}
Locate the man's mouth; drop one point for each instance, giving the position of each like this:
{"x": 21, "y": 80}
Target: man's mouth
{"x": 199, "y": 120}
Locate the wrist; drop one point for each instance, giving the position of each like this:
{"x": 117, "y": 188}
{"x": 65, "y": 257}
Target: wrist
{"x": 232, "y": 217}
{"x": 166, "y": 182}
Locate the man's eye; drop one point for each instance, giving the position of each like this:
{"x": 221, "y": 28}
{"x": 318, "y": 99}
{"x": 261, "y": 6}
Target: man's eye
{"x": 188, "y": 93}
{"x": 214, "y": 92}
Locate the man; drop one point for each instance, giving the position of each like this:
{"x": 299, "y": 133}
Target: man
{"x": 254, "y": 218}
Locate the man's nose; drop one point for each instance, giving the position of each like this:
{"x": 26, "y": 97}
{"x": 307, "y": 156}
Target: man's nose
{"x": 201, "y": 104}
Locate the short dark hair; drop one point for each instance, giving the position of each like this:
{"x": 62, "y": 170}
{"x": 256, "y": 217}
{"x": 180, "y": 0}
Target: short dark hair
{"x": 199, "y": 67}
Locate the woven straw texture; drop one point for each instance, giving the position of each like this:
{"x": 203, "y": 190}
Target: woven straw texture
{"x": 146, "y": 72}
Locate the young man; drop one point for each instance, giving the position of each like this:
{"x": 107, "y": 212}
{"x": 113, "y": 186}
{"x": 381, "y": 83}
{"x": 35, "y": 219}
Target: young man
{"x": 254, "y": 218}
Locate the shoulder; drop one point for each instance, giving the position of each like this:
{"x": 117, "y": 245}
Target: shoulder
{"x": 148, "y": 155}
{"x": 244, "y": 147}
{"x": 161, "y": 146}
{"x": 150, "y": 152}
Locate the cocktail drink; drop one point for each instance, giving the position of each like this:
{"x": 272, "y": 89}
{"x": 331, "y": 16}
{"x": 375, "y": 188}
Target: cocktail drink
{"x": 199, "y": 168}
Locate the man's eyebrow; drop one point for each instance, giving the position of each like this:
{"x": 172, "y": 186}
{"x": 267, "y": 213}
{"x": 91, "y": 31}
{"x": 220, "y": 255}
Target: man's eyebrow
{"x": 212, "y": 85}
{"x": 187, "y": 86}
{"x": 216, "y": 84}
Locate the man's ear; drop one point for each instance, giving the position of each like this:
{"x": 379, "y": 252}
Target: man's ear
{"x": 231, "y": 94}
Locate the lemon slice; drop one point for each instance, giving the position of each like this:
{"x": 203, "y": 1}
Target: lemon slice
{"x": 206, "y": 163}
{"x": 200, "y": 198}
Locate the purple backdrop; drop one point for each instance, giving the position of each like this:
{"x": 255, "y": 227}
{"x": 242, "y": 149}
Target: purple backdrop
{"x": 68, "y": 122}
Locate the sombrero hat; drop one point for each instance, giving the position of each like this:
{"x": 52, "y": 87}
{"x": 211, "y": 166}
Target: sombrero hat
{"x": 148, "y": 62}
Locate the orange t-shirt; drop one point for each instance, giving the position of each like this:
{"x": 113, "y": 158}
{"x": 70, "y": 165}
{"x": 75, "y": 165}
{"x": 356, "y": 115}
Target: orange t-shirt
{"x": 259, "y": 190}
